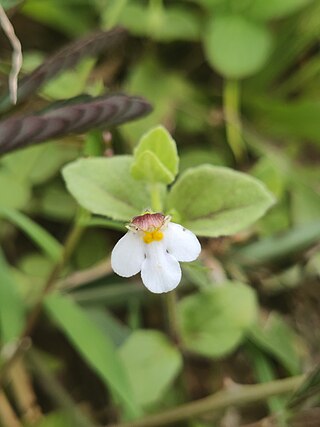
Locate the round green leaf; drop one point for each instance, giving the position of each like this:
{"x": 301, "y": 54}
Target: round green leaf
{"x": 214, "y": 322}
{"x": 152, "y": 364}
{"x": 216, "y": 201}
{"x": 237, "y": 47}
{"x": 155, "y": 157}
{"x": 104, "y": 186}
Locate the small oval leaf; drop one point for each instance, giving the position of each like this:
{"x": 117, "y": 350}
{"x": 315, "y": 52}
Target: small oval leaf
{"x": 237, "y": 47}
{"x": 155, "y": 157}
{"x": 152, "y": 363}
{"x": 104, "y": 186}
{"x": 214, "y": 321}
{"x": 216, "y": 201}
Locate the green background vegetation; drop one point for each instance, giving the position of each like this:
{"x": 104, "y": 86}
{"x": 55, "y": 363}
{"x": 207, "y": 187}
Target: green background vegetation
{"x": 237, "y": 85}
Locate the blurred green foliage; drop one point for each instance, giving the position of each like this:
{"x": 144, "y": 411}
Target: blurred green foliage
{"x": 251, "y": 296}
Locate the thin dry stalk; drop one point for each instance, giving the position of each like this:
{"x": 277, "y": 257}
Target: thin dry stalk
{"x": 16, "y": 54}
{"x": 8, "y": 417}
{"x": 24, "y": 393}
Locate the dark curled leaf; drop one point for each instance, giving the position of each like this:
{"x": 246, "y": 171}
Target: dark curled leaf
{"x": 17, "y": 132}
{"x": 67, "y": 57}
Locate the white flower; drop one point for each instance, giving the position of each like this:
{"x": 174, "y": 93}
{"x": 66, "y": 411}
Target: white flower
{"x": 154, "y": 245}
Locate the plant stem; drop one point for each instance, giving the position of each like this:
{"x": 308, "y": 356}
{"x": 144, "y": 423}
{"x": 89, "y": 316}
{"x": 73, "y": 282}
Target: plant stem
{"x": 231, "y": 106}
{"x": 156, "y": 202}
{"x": 240, "y": 395}
{"x": 170, "y": 300}
{"x": 8, "y": 417}
{"x": 24, "y": 395}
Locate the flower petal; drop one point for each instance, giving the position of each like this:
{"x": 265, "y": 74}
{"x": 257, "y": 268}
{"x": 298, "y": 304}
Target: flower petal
{"x": 128, "y": 255}
{"x": 160, "y": 271}
{"x": 181, "y": 243}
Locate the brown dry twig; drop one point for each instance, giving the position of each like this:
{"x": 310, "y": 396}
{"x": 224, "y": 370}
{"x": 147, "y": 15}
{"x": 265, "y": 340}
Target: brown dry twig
{"x": 16, "y": 54}
{"x": 7, "y": 415}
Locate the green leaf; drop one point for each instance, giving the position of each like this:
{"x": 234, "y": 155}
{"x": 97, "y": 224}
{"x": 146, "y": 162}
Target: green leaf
{"x": 274, "y": 9}
{"x": 298, "y": 119}
{"x": 152, "y": 363}
{"x": 237, "y": 47}
{"x": 264, "y": 372}
{"x": 104, "y": 186}
{"x": 54, "y": 202}
{"x": 71, "y": 82}
{"x": 279, "y": 340}
{"x": 156, "y": 158}
{"x": 164, "y": 25}
{"x": 149, "y": 168}
{"x": 39, "y": 163}
{"x": 11, "y": 305}
{"x": 197, "y": 156}
{"x": 7, "y": 4}
{"x": 132, "y": 16}
{"x": 72, "y": 19}
{"x": 269, "y": 173}
{"x": 14, "y": 194}
{"x": 216, "y": 201}
{"x": 277, "y": 248}
{"x": 39, "y": 235}
{"x": 91, "y": 249}
{"x": 305, "y": 203}
{"x": 177, "y": 24}
{"x": 213, "y": 322}
{"x": 94, "y": 346}
{"x": 112, "y": 295}
{"x": 171, "y": 92}
{"x": 31, "y": 274}
{"x": 36, "y": 265}
{"x": 109, "y": 324}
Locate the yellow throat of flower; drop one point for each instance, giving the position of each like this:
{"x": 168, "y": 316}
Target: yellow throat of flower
{"x": 152, "y": 236}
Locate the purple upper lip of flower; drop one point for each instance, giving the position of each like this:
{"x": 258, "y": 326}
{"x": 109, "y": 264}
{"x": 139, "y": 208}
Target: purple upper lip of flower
{"x": 149, "y": 221}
